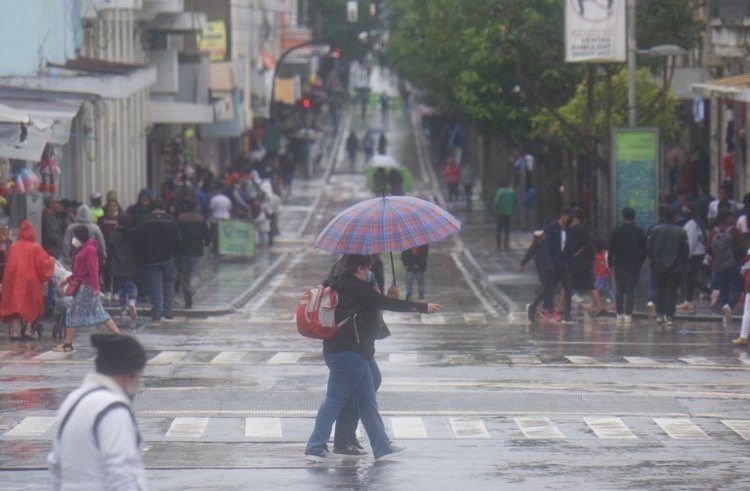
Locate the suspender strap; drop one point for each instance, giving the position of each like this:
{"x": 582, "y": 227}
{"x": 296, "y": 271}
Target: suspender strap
{"x": 105, "y": 411}
{"x": 73, "y": 407}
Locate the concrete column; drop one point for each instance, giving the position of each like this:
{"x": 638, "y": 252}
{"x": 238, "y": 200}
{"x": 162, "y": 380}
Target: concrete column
{"x": 715, "y": 150}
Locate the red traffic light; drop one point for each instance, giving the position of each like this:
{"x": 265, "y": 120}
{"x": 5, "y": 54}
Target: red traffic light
{"x": 305, "y": 103}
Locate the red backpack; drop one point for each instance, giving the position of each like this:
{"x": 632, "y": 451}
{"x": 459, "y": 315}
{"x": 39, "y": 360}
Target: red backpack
{"x": 316, "y": 313}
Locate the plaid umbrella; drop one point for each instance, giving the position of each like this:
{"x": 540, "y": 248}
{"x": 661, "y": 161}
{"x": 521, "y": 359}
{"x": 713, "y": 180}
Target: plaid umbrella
{"x": 392, "y": 223}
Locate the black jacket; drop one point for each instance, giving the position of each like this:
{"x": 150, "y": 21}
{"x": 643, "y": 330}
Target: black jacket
{"x": 415, "y": 259}
{"x": 52, "y": 233}
{"x": 157, "y": 238}
{"x": 552, "y": 253}
{"x": 195, "y": 234}
{"x": 122, "y": 258}
{"x": 627, "y": 247}
{"x": 363, "y": 304}
{"x": 668, "y": 248}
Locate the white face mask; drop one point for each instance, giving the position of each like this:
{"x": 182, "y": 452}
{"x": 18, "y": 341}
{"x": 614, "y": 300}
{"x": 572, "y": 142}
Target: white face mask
{"x": 75, "y": 242}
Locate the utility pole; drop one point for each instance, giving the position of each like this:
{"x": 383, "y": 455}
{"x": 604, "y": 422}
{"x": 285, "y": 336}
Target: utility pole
{"x": 632, "y": 51}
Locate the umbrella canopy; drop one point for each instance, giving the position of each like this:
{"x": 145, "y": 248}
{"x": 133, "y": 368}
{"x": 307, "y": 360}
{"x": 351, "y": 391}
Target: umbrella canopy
{"x": 392, "y": 223}
{"x": 383, "y": 161}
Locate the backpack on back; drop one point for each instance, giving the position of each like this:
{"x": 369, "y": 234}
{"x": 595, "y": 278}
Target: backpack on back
{"x": 316, "y": 313}
{"x": 724, "y": 248}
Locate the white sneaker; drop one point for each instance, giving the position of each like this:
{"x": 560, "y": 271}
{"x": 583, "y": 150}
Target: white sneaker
{"x": 628, "y": 319}
{"x": 620, "y": 317}
{"x": 727, "y": 314}
{"x": 650, "y": 308}
{"x": 323, "y": 455}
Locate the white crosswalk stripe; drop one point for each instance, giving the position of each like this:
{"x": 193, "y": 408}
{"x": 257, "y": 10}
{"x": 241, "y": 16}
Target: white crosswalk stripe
{"x": 432, "y": 319}
{"x": 524, "y": 359}
{"x": 263, "y": 428}
{"x": 475, "y": 318}
{"x": 187, "y": 427}
{"x": 541, "y": 428}
{"x": 285, "y": 357}
{"x": 741, "y": 427}
{"x": 167, "y": 357}
{"x": 403, "y": 357}
{"x": 53, "y": 355}
{"x": 582, "y": 360}
{"x": 468, "y": 428}
{"x": 32, "y": 426}
{"x": 697, "y": 360}
{"x": 227, "y": 357}
{"x": 640, "y": 360}
{"x": 681, "y": 429}
{"x": 609, "y": 427}
{"x": 408, "y": 428}
{"x": 459, "y": 359}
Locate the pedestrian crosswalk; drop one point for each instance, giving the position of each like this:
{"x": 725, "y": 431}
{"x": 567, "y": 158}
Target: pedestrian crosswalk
{"x": 409, "y": 427}
{"x": 256, "y": 357}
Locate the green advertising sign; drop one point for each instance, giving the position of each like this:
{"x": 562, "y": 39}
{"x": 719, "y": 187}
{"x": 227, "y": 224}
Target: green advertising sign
{"x": 635, "y": 173}
{"x": 236, "y": 238}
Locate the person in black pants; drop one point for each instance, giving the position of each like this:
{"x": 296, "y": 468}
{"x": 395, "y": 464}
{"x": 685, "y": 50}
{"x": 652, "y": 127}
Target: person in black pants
{"x": 667, "y": 248}
{"x": 555, "y": 269}
{"x": 627, "y": 251}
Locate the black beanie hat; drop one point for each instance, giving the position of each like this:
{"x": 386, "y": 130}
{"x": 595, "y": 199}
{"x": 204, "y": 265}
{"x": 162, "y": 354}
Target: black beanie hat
{"x": 118, "y": 354}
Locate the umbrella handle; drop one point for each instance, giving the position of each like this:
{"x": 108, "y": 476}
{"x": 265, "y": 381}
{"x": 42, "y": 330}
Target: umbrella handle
{"x": 393, "y": 268}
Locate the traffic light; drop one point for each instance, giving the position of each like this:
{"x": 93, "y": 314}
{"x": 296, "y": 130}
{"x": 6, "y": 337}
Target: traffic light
{"x": 306, "y": 103}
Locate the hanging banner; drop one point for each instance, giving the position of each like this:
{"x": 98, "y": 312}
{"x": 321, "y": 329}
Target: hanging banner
{"x": 595, "y": 31}
{"x": 214, "y": 40}
{"x": 635, "y": 173}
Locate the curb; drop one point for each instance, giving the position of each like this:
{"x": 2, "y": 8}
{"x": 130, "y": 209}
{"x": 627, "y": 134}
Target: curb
{"x": 479, "y": 276}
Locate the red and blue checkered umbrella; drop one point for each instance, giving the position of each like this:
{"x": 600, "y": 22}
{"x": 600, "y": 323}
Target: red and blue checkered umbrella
{"x": 392, "y": 223}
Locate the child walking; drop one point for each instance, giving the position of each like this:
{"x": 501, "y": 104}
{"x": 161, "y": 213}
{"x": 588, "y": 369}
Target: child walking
{"x": 603, "y": 274}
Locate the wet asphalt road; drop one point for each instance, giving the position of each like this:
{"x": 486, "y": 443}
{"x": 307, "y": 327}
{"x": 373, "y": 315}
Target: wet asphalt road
{"x": 481, "y": 399}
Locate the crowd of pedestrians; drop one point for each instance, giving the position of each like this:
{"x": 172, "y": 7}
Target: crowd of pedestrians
{"x": 696, "y": 248}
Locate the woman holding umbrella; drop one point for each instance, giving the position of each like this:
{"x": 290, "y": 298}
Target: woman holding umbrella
{"x": 350, "y": 357}
{"x": 375, "y": 225}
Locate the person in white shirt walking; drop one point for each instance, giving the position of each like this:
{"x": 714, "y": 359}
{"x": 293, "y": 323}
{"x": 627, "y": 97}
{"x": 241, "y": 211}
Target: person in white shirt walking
{"x": 97, "y": 444}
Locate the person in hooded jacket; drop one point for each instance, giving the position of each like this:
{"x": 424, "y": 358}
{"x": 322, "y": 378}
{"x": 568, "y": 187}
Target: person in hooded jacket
{"x": 349, "y": 355}
{"x": 27, "y": 268}
{"x": 83, "y": 217}
{"x": 124, "y": 265}
{"x": 86, "y": 309}
{"x": 142, "y": 207}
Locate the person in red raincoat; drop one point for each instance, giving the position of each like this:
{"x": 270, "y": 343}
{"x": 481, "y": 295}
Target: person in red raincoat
{"x": 452, "y": 176}
{"x": 27, "y": 268}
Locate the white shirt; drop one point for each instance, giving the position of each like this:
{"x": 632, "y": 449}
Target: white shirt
{"x": 713, "y": 208}
{"x": 76, "y": 461}
{"x": 221, "y": 207}
{"x": 696, "y": 239}
{"x": 563, "y": 239}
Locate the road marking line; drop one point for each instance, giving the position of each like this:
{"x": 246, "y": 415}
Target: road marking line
{"x": 609, "y": 427}
{"x": 286, "y": 357}
{"x": 459, "y": 359}
{"x": 681, "y": 429}
{"x": 227, "y": 357}
{"x": 474, "y": 288}
{"x": 394, "y": 318}
{"x": 403, "y": 357}
{"x": 408, "y": 428}
{"x": 640, "y": 360}
{"x": 32, "y": 426}
{"x": 741, "y": 427}
{"x": 524, "y": 359}
{"x": 468, "y": 428}
{"x": 744, "y": 358}
{"x": 534, "y": 428}
{"x": 475, "y": 318}
{"x": 167, "y": 357}
{"x": 263, "y": 428}
{"x": 187, "y": 427}
{"x": 697, "y": 360}
{"x": 582, "y": 360}
{"x": 432, "y": 319}
{"x": 53, "y": 355}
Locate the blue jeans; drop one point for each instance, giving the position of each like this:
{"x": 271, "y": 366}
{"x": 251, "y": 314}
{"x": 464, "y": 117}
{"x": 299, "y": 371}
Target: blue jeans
{"x": 419, "y": 275}
{"x": 346, "y": 423}
{"x": 350, "y": 376}
{"x": 729, "y": 282}
{"x": 126, "y": 291}
{"x": 160, "y": 287}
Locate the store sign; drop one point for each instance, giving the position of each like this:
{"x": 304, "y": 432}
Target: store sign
{"x": 236, "y": 238}
{"x": 595, "y": 30}
{"x": 214, "y": 40}
{"x": 635, "y": 171}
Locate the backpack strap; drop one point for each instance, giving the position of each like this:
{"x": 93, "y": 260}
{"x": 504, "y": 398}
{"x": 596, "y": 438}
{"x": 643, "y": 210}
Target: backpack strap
{"x": 107, "y": 410}
{"x": 73, "y": 407}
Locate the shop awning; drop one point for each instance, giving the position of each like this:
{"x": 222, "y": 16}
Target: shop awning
{"x": 736, "y": 87}
{"x": 46, "y": 121}
{"x": 170, "y": 112}
{"x": 179, "y": 22}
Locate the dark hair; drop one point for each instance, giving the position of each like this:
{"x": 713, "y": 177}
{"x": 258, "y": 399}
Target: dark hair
{"x": 666, "y": 213}
{"x": 723, "y": 216}
{"x": 724, "y": 205}
{"x": 746, "y": 202}
{"x": 81, "y": 232}
{"x": 600, "y": 245}
{"x": 190, "y": 204}
{"x": 628, "y": 213}
{"x": 352, "y": 262}
{"x": 567, "y": 211}
{"x": 157, "y": 204}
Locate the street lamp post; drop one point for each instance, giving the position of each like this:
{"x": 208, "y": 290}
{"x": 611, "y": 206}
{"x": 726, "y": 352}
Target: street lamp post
{"x": 632, "y": 51}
